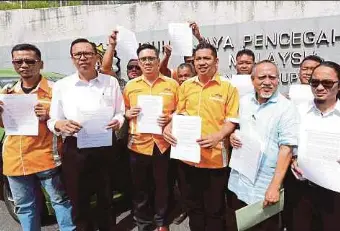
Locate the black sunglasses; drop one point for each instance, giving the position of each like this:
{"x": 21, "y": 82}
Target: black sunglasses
{"x": 27, "y": 61}
{"x": 327, "y": 84}
{"x": 130, "y": 67}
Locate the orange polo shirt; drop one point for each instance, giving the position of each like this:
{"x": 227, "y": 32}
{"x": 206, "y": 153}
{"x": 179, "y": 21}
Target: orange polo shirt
{"x": 163, "y": 86}
{"x": 215, "y": 102}
{"x": 25, "y": 155}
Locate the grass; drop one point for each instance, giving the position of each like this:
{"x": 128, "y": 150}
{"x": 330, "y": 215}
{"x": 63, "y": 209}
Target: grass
{"x": 35, "y": 4}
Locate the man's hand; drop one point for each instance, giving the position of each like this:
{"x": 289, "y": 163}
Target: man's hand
{"x": 163, "y": 120}
{"x": 272, "y": 195}
{"x": 132, "y": 112}
{"x": 167, "y": 134}
{"x": 114, "y": 125}
{"x": 210, "y": 141}
{"x": 67, "y": 126}
{"x": 235, "y": 140}
{"x": 41, "y": 112}
{"x": 167, "y": 50}
{"x": 195, "y": 30}
{"x": 113, "y": 38}
{"x": 296, "y": 170}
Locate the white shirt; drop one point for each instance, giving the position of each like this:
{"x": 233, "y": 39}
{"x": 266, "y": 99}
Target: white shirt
{"x": 71, "y": 94}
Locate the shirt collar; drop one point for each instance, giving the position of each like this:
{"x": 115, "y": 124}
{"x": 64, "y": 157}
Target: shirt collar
{"x": 142, "y": 78}
{"x": 77, "y": 80}
{"x": 43, "y": 85}
{"x": 216, "y": 78}
{"x": 273, "y": 99}
{"x": 312, "y": 107}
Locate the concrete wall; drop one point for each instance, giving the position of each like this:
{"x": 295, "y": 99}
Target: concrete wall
{"x": 316, "y": 23}
{"x": 69, "y": 22}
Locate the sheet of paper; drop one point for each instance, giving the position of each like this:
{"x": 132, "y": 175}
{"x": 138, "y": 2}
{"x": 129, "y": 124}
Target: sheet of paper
{"x": 243, "y": 84}
{"x": 152, "y": 108}
{"x": 246, "y": 159}
{"x": 94, "y": 134}
{"x": 186, "y": 129}
{"x": 180, "y": 39}
{"x": 19, "y": 117}
{"x": 126, "y": 43}
{"x": 318, "y": 156}
{"x": 253, "y": 214}
{"x": 300, "y": 93}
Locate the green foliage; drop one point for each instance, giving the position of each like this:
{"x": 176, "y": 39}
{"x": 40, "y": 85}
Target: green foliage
{"x": 35, "y": 4}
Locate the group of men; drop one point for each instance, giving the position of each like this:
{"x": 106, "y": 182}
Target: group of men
{"x": 197, "y": 90}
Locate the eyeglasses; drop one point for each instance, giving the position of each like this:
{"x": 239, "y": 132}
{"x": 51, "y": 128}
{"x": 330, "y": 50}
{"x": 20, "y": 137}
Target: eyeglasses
{"x": 19, "y": 62}
{"x": 147, "y": 59}
{"x": 327, "y": 84}
{"x": 87, "y": 55}
{"x": 130, "y": 67}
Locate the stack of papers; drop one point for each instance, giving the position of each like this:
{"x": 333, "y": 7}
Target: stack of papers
{"x": 253, "y": 214}
{"x": 243, "y": 84}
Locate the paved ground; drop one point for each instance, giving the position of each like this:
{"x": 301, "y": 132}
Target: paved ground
{"x": 124, "y": 222}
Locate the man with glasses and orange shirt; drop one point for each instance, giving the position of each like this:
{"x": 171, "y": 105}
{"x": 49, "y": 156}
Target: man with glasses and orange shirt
{"x": 149, "y": 153}
{"x": 33, "y": 160}
{"x": 86, "y": 170}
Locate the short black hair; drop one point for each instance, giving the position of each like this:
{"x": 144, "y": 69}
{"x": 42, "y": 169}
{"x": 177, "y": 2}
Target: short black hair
{"x": 188, "y": 65}
{"x": 205, "y": 45}
{"x": 315, "y": 58}
{"x": 246, "y": 52}
{"x": 131, "y": 61}
{"x": 26, "y": 47}
{"x": 330, "y": 64}
{"x": 83, "y": 40}
{"x": 145, "y": 46}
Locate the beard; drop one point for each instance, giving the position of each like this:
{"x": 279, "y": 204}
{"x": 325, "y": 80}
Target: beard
{"x": 266, "y": 95}
{"x": 319, "y": 101}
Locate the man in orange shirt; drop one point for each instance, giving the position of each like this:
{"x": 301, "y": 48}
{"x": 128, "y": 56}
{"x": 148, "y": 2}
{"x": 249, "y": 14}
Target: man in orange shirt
{"x": 149, "y": 153}
{"x": 216, "y": 101}
{"x": 33, "y": 160}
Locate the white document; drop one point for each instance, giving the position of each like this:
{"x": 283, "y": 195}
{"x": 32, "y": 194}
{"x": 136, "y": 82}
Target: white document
{"x": 243, "y": 84}
{"x": 126, "y": 43}
{"x": 186, "y": 129}
{"x": 94, "y": 132}
{"x": 19, "y": 117}
{"x": 246, "y": 159}
{"x": 151, "y": 109}
{"x": 180, "y": 39}
{"x": 253, "y": 214}
{"x": 318, "y": 156}
{"x": 300, "y": 93}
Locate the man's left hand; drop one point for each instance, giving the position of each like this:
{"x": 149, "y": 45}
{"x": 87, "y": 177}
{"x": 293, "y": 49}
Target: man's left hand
{"x": 210, "y": 141}
{"x": 114, "y": 125}
{"x": 272, "y": 195}
{"x": 163, "y": 120}
{"x": 41, "y": 112}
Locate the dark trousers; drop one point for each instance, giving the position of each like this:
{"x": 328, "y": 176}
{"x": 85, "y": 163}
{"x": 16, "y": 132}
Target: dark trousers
{"x": 311, "y": 207}
{"x": 271, "y": 224}
{"x": 204, "y": 196}
{"x": 150, "y": 184}
{"x": 85, "y": 172}
{"x": 176, "y": 187}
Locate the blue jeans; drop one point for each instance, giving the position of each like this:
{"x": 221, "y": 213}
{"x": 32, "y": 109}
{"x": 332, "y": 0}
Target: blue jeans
{"x": 24, "y": 190}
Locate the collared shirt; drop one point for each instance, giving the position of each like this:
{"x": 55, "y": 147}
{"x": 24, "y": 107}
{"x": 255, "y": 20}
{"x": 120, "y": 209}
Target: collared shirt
{"x": 276, "y": 123}
{"x": 215, "y": 102}
{"x": 25, "y": 155}
{"x": 71, "y": 95}
{"x": 162, "y": 86}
